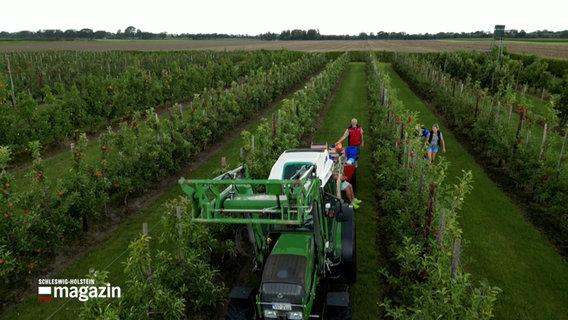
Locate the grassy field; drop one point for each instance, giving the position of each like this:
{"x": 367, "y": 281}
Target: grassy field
{"x": 550, "y": 49}
{"x": 502, "y": 246}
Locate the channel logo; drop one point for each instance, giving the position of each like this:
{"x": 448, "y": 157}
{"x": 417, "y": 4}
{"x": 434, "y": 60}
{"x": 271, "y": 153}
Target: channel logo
{"x": 44, "y": 293}
{"x": 75, "y": 289}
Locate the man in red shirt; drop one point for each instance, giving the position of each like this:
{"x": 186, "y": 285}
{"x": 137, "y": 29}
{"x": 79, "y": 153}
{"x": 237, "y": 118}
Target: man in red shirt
{"x": 354, "y": 135}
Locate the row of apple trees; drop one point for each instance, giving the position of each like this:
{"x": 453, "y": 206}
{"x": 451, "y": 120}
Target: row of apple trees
{"x": 183, "y": 282}
{"x": 508, "y": 133}
{"x": 491, "y": 68}
{"x": 51, "y": 96}
{"x": 542, "y": 78}
{"x": 130, "y": 160}
{"x": 419, "y": 219}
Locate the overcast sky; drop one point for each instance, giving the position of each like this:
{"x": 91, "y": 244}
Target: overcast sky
{"x": 254, "y": 17}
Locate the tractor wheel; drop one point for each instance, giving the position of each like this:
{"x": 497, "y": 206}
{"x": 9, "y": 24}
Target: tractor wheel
{"x": 239, "y": 309}
{"x": 242, "y": 241}
{"x": 338, "y": 313}
{"x": 349, "y": 246}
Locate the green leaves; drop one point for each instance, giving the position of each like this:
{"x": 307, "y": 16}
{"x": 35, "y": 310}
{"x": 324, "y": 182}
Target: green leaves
{"x": 171, "y": 278}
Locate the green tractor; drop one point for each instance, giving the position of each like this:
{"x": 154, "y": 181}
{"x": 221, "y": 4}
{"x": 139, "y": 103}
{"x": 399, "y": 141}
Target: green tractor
{"x": 301, "y": 233}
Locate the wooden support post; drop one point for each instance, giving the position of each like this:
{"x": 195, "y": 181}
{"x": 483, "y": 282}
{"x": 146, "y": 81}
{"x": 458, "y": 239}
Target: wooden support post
{"x": 295, "y": 108}
{"x": 498, "y": 111}
{"x": 11, "y": 84}
{"x": 273, "y": 126}
{"x": 518, "y": 133}
{"x": 561, "y": 157}
{"x": 400, "y": 151}
{"x": 477, "y": 105}
{"x": 429, "y": 210}
{"x": 456, "y": 257}
{"x": 415, "y": 159}
{"x": 440, "y": 235}
{"x": 527, "y": 140}
{"x": 509, "y": 115}
{"x": 178, "y": 215}
{"x": 453, "y": 87}
{"x": 543, "y": 141}
{"x": 421, "y": 180}
{"x": 541, "y": 100}
{"x": 149, "y": 312}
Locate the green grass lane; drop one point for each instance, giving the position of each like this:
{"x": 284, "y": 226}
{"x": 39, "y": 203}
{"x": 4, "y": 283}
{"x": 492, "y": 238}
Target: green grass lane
{"x": 501, "y": 245}
{"x": 350, "y": 101}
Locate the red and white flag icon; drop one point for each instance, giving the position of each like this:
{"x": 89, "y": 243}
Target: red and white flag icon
{"x": 44, "y": 293}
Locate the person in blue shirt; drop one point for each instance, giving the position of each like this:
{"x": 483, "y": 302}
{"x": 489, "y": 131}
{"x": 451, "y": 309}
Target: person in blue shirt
{"x": 420, "y": 131}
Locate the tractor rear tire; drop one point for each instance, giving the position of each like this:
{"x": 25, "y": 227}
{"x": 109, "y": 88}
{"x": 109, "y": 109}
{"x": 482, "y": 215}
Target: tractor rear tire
{"x": 240, "y": 309}
{"x": 242, "y": 241}
{"x": 349, "y": 246}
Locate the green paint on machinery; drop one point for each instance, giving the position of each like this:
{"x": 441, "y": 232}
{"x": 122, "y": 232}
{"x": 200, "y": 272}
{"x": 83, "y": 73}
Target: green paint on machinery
{"x": 301, "y": 233}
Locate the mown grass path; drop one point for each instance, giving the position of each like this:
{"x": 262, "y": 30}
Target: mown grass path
{"x": 350, "y": 101}
{"x": 502, "y": 246}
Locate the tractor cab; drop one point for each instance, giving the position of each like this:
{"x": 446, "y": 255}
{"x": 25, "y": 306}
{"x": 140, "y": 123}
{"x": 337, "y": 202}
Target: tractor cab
{"x": 292, "y": 162}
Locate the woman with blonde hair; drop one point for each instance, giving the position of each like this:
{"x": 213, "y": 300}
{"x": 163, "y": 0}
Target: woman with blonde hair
{"x": 434, "y": 139}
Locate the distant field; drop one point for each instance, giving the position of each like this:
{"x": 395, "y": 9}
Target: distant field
{"x": 552, "y": 49}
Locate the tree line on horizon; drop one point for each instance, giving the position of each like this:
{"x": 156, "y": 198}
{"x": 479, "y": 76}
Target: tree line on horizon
{"x": 132, "y": 33}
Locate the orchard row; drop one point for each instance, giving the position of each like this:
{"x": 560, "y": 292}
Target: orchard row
{"x": 507, "y": 132}
{"x": 418, "y": 221}
{"x": 50, "y": 96}
{"x": 129, "y": 160}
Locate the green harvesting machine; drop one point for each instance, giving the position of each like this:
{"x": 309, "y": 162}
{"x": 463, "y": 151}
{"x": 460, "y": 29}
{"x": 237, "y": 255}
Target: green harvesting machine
{"x": 301, "y": 233}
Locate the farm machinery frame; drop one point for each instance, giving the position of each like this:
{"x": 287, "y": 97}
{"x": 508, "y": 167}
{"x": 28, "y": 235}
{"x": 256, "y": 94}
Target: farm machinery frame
{"x": 301, "y": 233}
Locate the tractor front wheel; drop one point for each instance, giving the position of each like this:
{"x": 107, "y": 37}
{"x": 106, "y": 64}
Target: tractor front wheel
{"x": 240, "y": 309}
{"x": 339, "y": 313}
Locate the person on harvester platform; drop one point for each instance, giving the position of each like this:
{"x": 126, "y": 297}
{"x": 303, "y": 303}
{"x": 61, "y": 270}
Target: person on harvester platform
{"x": 354, "y": 135}
{"x": 348, "y": 189}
